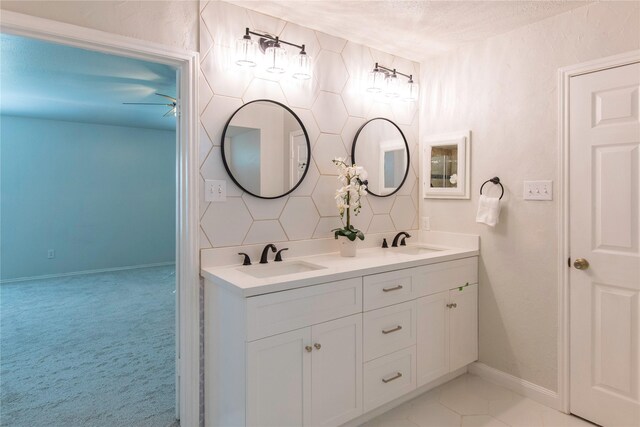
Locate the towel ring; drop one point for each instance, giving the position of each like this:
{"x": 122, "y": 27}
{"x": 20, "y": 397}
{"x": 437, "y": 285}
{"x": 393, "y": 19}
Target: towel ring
{"x": 495, "y": 180}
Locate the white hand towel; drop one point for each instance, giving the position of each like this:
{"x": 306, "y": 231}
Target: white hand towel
{"x": 488, "y": 210}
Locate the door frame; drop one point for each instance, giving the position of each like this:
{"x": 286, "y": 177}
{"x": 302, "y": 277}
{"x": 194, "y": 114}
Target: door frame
{"x": 292, "y": 154}
{"x": 564, "y": 76}
{"x": 187, "y": 220}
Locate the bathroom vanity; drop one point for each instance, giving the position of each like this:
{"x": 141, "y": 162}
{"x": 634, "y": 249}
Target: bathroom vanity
{"x": 321, "y": 340}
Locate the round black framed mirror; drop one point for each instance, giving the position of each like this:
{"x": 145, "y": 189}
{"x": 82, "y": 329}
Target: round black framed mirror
{"x": 381, "y": 148}
{"x": 265, "y": 149}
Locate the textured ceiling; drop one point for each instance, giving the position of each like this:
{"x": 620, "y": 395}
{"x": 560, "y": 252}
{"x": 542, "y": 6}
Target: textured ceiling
{"x": 52, "y": 81}
{"x": 412, "y": 29}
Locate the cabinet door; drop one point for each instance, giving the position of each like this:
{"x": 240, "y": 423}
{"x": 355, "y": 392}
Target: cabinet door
{"x": 336, "y": 373}
{"x": 279, "y": 380}
{"x": 432, "y": 337}
{"x": 463, "y": 318}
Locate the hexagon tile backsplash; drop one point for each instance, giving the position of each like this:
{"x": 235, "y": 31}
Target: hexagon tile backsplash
{"x": 332, "y": 105}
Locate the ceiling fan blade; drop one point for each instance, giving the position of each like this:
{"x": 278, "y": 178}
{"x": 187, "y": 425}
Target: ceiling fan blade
{"x": 167, "y": 96}
{"x": 147, "y": 103}
{"x": 171, "y": 111}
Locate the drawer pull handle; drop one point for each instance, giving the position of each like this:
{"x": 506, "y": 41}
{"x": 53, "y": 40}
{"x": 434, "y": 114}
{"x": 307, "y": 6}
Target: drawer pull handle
{"x": 388, "y": 331}
{"x": 452, "y": 305}
{"x": 317, "y": 346}
{"x": 395, "y": 377}
{"x": 395, "y": 288}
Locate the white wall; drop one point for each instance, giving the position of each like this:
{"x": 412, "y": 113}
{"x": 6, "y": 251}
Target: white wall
{"x": 332, "y": 106}
{"x": 505, "y": 90}
{"x": 70, "y": 186}
{"x": 173, "y": 23}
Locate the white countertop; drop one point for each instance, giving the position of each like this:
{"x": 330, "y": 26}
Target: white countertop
{"x": 335, "y": 267}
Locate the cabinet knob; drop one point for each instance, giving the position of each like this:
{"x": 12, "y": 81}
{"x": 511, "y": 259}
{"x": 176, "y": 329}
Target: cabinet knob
{"x": 317, "y": 346}
{"x": 308, "y": 348}
{"x": 452, "y": 305}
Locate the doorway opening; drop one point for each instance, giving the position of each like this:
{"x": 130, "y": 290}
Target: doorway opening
{"x": 89, "y": 214}
{"x": 188, "y": 396}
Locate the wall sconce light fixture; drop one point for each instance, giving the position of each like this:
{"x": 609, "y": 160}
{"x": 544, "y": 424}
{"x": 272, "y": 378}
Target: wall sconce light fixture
{"x": 275, "y": 56}
{"x": 385, "y": 80}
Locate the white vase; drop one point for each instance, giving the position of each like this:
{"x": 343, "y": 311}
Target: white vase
{"x": 347, "y": 247}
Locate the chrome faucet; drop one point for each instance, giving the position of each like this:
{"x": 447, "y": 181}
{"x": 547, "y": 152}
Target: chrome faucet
{"x": 403, "y": 241}
{"x": 265, "y": 252}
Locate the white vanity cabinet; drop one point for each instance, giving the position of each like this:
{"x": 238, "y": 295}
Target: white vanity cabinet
{"x": 463, "y": 324}
{"x": 447, "y": 317}
{"x": 447, "y": 332}
{"x": 433, "y": 332}
{"x": 310, "y": 376}
{"x": 324, "y": 354}
{"x": 420, "y": 324}
{"x": 279, "y": 380}
{"x": 291, "y": 358}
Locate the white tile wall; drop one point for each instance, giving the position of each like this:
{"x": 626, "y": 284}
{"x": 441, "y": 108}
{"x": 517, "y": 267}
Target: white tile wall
{"x": 332, "y": 106}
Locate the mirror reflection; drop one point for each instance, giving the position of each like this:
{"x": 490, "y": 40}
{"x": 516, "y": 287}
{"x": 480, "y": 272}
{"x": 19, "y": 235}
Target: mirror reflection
{"x": 444, "y": 166}
{"x": 265, "y": 149}
{"x": 381, "y": 148}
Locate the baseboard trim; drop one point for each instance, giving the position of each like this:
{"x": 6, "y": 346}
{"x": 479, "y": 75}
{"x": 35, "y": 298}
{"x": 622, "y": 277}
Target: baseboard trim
{"x": 78, "y": 273}
{"x": 518, "y": 385}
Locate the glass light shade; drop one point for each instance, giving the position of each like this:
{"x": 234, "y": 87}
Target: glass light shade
{"x": 375, "y": 82}
{"x": 301, "y": 64}
{"x": 246, "y": 50}
{"x": 411, "y": 91}
{"x": 391, "y": 88}
{"x": 276, "y": 59}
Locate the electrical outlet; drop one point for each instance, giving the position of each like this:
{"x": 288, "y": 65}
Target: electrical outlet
{"x": 538, "y": 190}
{"x": 426, "y": 223}
{"x": 215, "y": 190}
{"x": 51, "y": 254}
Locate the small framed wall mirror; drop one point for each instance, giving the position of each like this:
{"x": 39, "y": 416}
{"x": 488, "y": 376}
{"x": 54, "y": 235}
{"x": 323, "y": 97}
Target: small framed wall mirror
{"x": 446, "y": 166}
{"x": 382, "y": 150}
{"x": 265, "y": 149}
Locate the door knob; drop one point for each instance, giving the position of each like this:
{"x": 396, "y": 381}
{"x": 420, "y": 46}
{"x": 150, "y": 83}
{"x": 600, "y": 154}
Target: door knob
{"x": 581, "y": 264}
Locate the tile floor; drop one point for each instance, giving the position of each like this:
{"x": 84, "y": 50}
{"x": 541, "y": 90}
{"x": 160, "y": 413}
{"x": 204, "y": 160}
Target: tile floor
{"x": 469, "y": 401}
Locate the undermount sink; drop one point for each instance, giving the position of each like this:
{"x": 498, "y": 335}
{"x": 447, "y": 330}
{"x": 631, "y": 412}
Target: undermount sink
{"x": 415, "y": 250}
{"x": 263, "y": 271}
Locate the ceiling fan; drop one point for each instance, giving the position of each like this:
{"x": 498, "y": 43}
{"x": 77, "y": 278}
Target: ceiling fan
{"x": 172, "y": 105}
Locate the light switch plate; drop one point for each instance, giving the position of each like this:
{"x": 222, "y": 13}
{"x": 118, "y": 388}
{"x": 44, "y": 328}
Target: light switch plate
{"x": 215, "y": 190}
{"x": 426, "y": 223}
{"x": 538, "y": 190}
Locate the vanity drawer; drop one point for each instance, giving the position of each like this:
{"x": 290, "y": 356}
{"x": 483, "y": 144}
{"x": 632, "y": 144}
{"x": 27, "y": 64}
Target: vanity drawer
{"x": 389, "y": 377}
{"x": 278, "y": 312}
{"x": 443, "y": 276}
{"x": 389, "y": 329}
{"x": 381, "y": 290}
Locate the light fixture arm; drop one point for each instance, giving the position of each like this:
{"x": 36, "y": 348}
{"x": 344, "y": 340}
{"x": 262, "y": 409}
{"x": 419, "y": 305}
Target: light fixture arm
{"x": 393, "y": 71}
{"x": 385, "y": 79}
{"x": 274, "y": 39}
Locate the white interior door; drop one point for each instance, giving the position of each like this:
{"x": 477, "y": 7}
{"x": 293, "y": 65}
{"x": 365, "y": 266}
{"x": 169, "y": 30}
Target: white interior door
{"x": 604, "y": 232}
{"x": 298, "y": 156}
